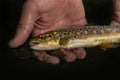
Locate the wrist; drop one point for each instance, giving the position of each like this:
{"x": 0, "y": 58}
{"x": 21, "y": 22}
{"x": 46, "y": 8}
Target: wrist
{"x": 116, "y": 18}
{"x": 116, "y": 15}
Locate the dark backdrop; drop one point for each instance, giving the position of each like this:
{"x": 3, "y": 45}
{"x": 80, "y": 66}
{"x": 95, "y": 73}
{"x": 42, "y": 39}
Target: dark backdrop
{"x": 21, "y": 60}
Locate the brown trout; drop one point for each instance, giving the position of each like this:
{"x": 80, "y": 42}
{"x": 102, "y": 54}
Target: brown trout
{"x": 80, "y": 36}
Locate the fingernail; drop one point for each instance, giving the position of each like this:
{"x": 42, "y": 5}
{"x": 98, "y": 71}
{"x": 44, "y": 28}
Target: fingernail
{"x": 70, "y": 58}
{"x": 83, "y": 55}
{"x": 53, "y": 60}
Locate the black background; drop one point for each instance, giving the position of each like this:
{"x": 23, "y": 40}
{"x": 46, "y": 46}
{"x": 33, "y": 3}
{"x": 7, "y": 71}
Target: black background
{"x": 21, "y": 60}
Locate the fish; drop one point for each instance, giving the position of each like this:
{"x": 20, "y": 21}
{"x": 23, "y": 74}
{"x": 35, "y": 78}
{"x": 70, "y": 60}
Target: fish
{"x": 104, "y": 36}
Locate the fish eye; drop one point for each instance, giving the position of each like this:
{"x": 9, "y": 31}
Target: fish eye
{"x": 41, "y": 37}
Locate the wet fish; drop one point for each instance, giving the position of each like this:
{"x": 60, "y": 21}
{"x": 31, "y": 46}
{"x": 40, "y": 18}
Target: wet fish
{"x": 79, "y": 36}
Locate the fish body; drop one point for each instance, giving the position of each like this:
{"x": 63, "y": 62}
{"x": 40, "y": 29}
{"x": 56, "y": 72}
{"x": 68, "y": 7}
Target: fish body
{"x": 80, "y": 36}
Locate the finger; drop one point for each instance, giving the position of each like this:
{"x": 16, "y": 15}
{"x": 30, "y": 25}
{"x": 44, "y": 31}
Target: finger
{"x": 26, "y": 24}
{"x": 65, "y": 54}
{"x": 70, "y": 57}
{"x": 43, "y": 56}
{"x": 79, "y": 52}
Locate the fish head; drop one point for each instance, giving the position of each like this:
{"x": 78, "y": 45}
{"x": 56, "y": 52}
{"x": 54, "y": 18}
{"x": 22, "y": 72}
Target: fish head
{"x": 48, "y": 41}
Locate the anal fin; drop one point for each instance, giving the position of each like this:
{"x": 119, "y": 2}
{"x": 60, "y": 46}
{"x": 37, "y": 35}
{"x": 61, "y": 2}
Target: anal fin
{"x": 107, "y": 45}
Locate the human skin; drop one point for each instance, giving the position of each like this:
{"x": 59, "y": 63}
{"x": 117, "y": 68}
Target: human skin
{"x": 41, "y": 16}
{"x": 116, "y": 15}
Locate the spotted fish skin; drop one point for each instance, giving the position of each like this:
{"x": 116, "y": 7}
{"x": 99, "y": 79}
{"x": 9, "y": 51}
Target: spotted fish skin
{"x": 79, "y": 36}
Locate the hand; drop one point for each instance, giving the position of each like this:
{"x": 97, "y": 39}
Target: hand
{"x": 41, "y": 16}
{"x": 116, "y": 15}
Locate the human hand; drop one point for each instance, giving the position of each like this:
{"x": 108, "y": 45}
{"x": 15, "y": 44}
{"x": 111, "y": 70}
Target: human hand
{"x": 41, "y": 16}
{"x": 116, "y": 15}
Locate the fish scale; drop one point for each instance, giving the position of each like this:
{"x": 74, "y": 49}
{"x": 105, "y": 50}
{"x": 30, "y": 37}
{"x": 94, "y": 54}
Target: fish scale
{"x": 79, "y": 36}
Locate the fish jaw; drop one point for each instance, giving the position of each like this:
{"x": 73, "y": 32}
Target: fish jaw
{"x": 39, "y": 47}
{"x": 46, "y": 45}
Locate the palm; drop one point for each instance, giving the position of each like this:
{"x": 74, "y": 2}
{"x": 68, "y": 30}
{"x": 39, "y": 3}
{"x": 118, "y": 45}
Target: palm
{"x": 56, "y": 14}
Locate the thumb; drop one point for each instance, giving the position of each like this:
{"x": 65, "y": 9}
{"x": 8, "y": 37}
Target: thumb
{"x": 20, "y": 37}
{"x": 27, "y": 20}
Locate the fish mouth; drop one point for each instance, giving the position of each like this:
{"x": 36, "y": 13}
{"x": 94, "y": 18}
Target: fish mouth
{"x": 33, "y": 43}
{"x": 38, "y": 47}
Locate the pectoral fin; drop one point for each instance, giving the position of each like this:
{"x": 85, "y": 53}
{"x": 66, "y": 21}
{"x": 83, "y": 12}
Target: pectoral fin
{"x": 63, "y": 41}
{"x": 106, "y": 45}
